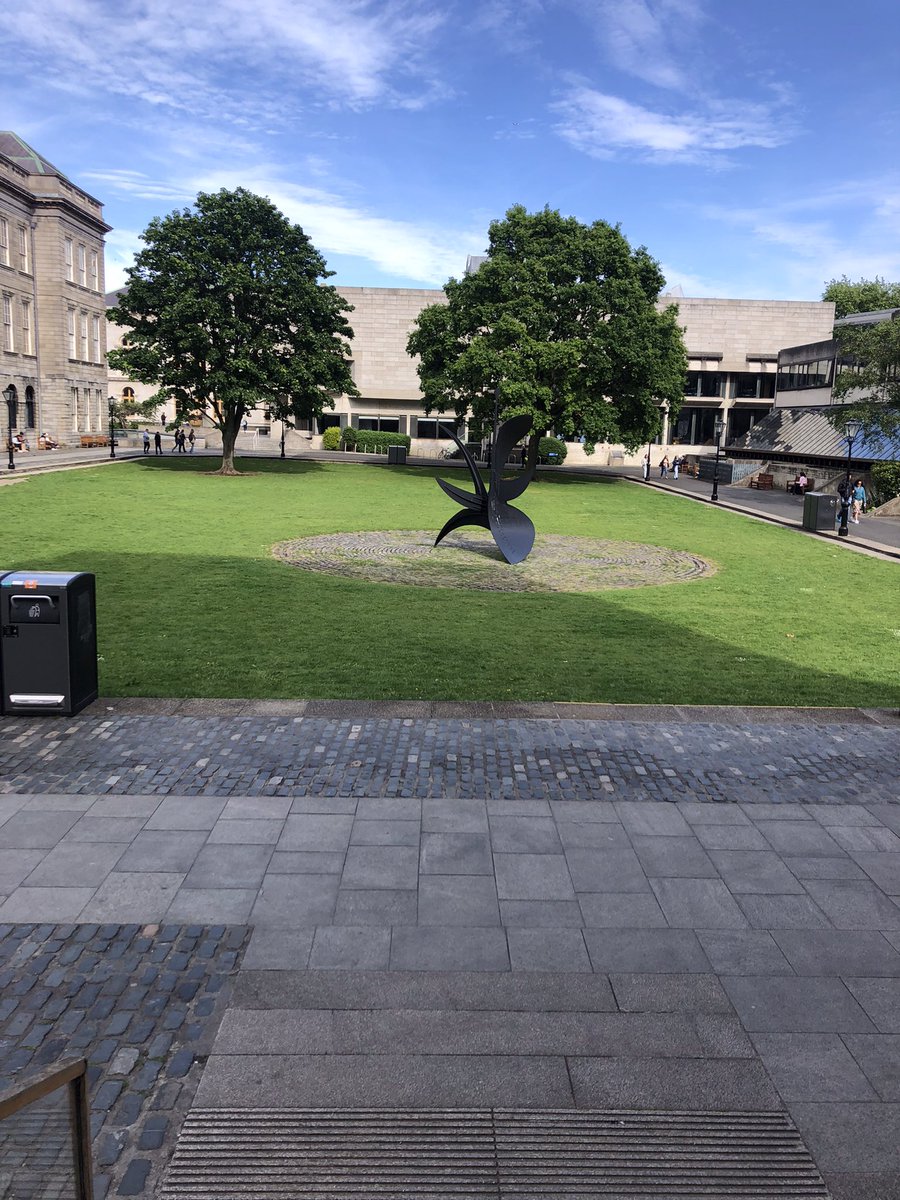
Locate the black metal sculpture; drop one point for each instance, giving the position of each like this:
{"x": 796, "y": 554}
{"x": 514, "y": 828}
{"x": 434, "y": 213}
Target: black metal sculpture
{"x": 512, "y": 530}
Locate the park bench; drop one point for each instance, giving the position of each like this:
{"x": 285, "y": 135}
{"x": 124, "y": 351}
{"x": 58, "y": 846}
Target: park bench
{"x": 810, "y": 485}
{"x": 763, "y": 482}
{"x": 94, "y": 439}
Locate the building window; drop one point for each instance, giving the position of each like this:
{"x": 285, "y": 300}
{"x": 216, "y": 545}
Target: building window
{"x": 82, "y": 266}
{"x": 384, "y": 424}
{"x": 817, "y": 374}
{"x": 703, "y": 383}
{"x": 4, "y": 241}
{"x": 695, "y": 426}
{"x": 327, "y": 421}
{"x": 95, "y": 271}
{"x": 98, "y": 404}
{"x": 27, "y": 333}
{"x": 70, "y": 260}
{"x": 128, "y": 395}
{"x": 75, "y": 408}
{"x": 84, "y": 336}
{"x": 70, "y": 327}
{"x": 754, "y": 385}
{"x": 8, "y": 338}
{"x": 427, "y": 427}
{"x": 29, "y": 408}
{"x": 95, "y": 339}
{"x": 23, "y": 249}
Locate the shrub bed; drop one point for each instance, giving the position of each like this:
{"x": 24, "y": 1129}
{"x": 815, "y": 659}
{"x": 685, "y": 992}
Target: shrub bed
{"x": 331, "y": 438}
{"x": 372, "y": 441}
{"x": 551, "y": 446}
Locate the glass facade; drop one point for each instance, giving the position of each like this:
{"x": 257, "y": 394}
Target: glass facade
{"x": 815, "y": 374}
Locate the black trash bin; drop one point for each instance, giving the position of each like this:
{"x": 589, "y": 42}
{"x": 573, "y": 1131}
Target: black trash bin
{"x": 820, "y": 511}
{"x": 48, "y": 660}
{"x": 397, "y": 455}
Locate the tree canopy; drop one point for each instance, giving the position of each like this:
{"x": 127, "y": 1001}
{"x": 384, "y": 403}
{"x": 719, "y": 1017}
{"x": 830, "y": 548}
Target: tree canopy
{"x": 562, "y": 317}
{"x": 862, "y": 295}
{"x": 224, "y": 311}
{"x": 869, "y": 382}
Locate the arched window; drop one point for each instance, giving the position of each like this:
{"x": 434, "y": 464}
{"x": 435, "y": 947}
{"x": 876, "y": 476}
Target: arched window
{"x": 127, "y": 395}
{"x": 29, "y": 408}
{"x": 12, "y": 413}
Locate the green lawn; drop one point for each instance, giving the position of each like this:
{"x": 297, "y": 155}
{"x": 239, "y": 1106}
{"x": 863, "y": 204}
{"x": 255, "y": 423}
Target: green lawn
{"x": 190, "y": 602}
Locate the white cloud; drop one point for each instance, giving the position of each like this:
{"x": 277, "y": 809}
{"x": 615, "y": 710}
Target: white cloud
{"x": 607, "y": 126}
{"x": 646, "y": 38}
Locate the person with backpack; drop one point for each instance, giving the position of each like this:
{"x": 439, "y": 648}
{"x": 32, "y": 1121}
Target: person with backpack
{"x": 191, "y": 439}
{"x": 859, "y": 498}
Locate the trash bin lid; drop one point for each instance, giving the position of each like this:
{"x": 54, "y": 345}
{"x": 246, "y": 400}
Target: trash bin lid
{"x": 36, "y": 579}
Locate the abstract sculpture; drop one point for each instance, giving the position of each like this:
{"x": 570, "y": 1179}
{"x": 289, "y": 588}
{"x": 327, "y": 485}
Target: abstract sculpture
{"x": 512, "y": 530}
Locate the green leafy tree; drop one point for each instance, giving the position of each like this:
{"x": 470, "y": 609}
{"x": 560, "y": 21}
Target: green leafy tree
{"x": 562, "y": 318}
{"x": 224, "y": 310}
{"x": 869, "y": 381}
{"x": 862, "y": 295}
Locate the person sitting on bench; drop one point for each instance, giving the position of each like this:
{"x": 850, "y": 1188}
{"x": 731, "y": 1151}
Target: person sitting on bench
{"x": 798, "y": 487}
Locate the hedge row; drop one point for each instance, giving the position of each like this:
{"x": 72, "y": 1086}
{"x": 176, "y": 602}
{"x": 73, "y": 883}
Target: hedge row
{"x": 372, "y": 441}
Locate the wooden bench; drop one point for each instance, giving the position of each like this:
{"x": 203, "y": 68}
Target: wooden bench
{"x": 94, "y": 439}
{"x": 810, "y": 486}
{"x": 765, "y": 483}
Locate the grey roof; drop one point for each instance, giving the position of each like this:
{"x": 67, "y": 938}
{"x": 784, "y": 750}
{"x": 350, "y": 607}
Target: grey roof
{"x": 25, "y": 156}
{"x": 808, "y": 433}
{"x": 869, "y": 318}
{"x": 474, "y": 261}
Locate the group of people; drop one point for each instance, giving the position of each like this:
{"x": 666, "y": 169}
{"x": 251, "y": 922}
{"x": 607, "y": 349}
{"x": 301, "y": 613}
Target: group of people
{"x": 675, "y": 466}
{"x": 854, "y": 497}
{"x": 184, "y": 442}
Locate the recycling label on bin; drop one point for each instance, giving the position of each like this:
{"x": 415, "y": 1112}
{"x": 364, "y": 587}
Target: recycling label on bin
{"x": 25, "y": 609}
{"x": 39, "y": 579}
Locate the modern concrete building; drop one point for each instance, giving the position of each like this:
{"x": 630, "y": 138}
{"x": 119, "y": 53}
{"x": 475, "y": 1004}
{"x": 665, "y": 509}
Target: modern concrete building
{"x": 51, "y": 297}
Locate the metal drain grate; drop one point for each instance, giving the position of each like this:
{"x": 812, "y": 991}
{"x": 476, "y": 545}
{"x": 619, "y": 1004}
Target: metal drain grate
{"x": 504, "y": 1154}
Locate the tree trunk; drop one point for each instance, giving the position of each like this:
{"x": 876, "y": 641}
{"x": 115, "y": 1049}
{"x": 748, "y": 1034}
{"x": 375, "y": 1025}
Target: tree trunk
{"x": 531, "y": 457}
{"x": 229, "y": 437}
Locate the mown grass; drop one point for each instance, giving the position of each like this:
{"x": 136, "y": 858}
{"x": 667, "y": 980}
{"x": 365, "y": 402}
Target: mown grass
{"x": 191, "y": 603}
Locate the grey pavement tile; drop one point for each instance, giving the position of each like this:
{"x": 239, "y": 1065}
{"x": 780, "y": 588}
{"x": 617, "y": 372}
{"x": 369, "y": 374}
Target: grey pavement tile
{"x": 851, "y": 905}
{"x": 647, "y": 951}
{"x": 592, "y": 835}
{"x": 386, "y": 1081}
{"x": 878, "y": 1056}
{"x": 850, "y": 1137}
{"x": 782, "y": 912}
{"x": 389, "y": 808}
{"x": 127, "y": 806}
{"x": 584, "y": 812}
{"x": 614, "y": 870}
{"x": 798, "y": 837}
{"x": 518, "y": 808}
{"x": 893, "y": 936}
{"x": 57, "y": 802}
{"x": 867, "y": 840}
{"x": 306, "y": 862}
{"x": 316, "y": 831}
{"x": 666, "y": 857}
{"x": 16, "y": 865}
{"x": 541, "y": 914}
{"x": 127, "y": 896}
{"x": 10, "y": 805}
{"x": 622, "y": 910}
{"x": 350, "y": 948}
{"x": 759, "y": 811}
{"x": 76, "y": 864}
{"x": 229, "y": 866}
{"x": 45, "y": 904}
{"x": 743, "y": 952}
{"x": 433, "y": 948}
{"x": 863, "y": 1185}
{"x": 278, "y": 949}
{"x": 163, "y": 850}
{"x": 838, "y": 952}
{"x": 698, "y": 904}
{"x": 390, "y": 867}
{"x": 524, "y": 835}
{"x": 886, "y": 814}
{"x": 454, "y": 816}
{"x": 690, "y": 993}
{"x": 385, "y": 833}
{"x": 246, "y": 1032}
{"x": 822, "y": 868}
{"x": 458, "y": 900}
{"x": 185, "y": 812}
{"x": 547, "y": 950}
{"x": 261, "y": 832}
{"x": 649, "y": 817}
{"x": 812, "y": 1066}
{"x": 104, "y": 829}
{"x": 723, "y": 1036}
{"x": 759, "y": 871}
{"x": 212, "y": 906}
{"x": 698, "y": 814}
{"x": 882, "y": 869}
{"x": 845, "y": 815}
{"x": 533, "y": 877}
{"x": 881, "y": 1000}
{"x": 256, "y": 808}
{"x": 36, "y": 830}
{"x": 730, "y": 837}
{"x": 787, "y": 1004}
{"x": 295, "y": 901}
{"x": 455, "y": 854}
{"x": 718, "y": 1085}
{"x": 380, "y": 907}
{"x": 335, "y": 805}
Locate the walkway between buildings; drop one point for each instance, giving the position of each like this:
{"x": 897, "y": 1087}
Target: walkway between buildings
{"x": 237, "y": 909}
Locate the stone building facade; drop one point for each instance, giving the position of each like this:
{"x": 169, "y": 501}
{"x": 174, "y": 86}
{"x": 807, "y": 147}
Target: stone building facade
{"x": 53, "y": 339}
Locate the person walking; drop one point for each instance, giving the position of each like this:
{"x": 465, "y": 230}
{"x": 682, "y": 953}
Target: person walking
{"x": 191, "y": 439}
{"x": 676, "y": 465}
{"x": 157, "y": 442}
{"x": 181, "y": 441}
{"x": 646, "y": 466}
{"x": 859, "y": 498}
{"x": 146, "y": 441}
{"x": 664, "y": 467}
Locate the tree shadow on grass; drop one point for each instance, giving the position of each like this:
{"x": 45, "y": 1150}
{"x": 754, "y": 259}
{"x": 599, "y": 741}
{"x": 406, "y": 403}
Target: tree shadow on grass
{"x": 178, "y": 624}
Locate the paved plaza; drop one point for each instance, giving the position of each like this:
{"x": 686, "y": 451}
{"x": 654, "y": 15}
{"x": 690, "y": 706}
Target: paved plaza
{"x": 267, "y": 906}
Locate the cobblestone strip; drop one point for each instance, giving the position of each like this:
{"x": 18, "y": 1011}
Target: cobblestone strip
{"x": 503, "y": 759}
{"x": 141, "y": 1004}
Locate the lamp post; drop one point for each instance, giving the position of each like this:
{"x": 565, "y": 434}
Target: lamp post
{"x": 851, "y": 431}
{"x": 282, "y": 437}
{"x": 111, "y": 401}
{"x": 9, "y": 396}
{"x": 718, "y": 428}
{"x": 647, "y": 464}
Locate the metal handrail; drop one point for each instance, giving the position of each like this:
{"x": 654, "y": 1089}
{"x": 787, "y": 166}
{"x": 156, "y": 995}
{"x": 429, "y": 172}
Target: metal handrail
{"x": 73, "y": 1074}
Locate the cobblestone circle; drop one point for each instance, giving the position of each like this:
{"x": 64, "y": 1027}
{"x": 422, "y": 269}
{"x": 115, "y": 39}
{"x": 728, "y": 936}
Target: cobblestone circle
{"x": 557, "y": 563}
{"x": 142, "y": 1005}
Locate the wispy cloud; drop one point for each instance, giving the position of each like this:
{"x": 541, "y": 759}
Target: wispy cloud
{"x": 607, "y": 126}
{"x": 647, "y": 38}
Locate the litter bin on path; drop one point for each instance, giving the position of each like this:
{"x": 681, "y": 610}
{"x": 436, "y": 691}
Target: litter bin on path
{"x": 819, "y": 511}
{"x": 397, "y": 455}
{"x": 48, "y": 642}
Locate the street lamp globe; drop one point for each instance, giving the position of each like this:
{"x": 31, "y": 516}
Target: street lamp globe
{"x": 851, "y": 429}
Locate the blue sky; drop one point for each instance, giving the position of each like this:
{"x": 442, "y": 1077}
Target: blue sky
{"x": 751, "y": 145}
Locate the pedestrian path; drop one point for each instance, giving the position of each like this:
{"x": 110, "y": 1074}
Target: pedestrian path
{"x": 672, "y": 913}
